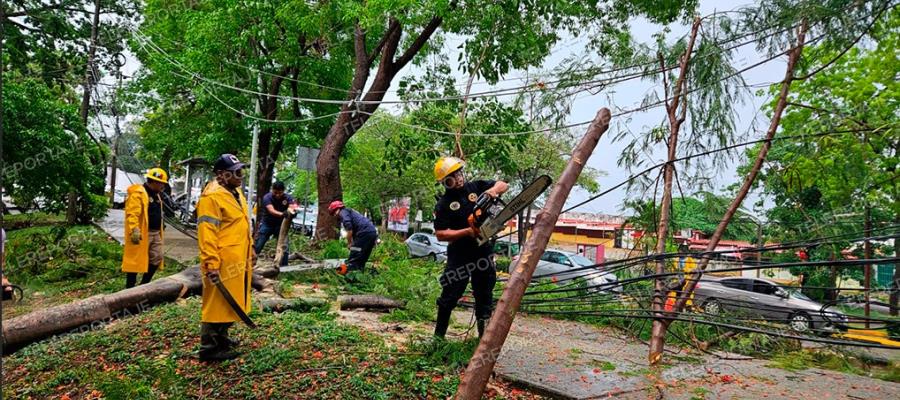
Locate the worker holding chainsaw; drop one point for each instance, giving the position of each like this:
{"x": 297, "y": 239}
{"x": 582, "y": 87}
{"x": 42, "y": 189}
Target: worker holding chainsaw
{"x": 223, "y": 232}
{"x": 466, "y": 258}
{"x": 361, "y": 236}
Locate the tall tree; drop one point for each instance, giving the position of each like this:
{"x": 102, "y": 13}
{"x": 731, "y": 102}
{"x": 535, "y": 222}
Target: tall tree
{"x": 46, "y": 152}
{"x": 388, "y": 36}
{"x": 844, "y": 26}
{"x": 210, "y": 63}
{"x": 822, "y": 183}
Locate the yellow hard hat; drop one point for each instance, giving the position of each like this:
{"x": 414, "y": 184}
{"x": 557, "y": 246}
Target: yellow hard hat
{"x": 157, "y": 174}
{"x": 446, "y": 166}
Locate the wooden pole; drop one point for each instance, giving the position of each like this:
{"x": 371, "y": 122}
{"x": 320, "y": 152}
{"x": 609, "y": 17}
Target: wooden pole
{"x": 676, "y": 108}
{"x": 482, "y": 363}
{"x": 867, "y": 249}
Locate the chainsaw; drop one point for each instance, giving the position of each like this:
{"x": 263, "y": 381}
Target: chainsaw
{"x": 488, "y": 217}
{"x": 336, "y": 265}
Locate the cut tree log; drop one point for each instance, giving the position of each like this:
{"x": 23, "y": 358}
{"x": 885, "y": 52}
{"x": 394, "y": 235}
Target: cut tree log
{"x": 97, "y": 311}
{"x": 369, "y": 302}
{"x": 482, "y": 363}
{"x": 302, "y": 304}
{"x": 281, "y": 247}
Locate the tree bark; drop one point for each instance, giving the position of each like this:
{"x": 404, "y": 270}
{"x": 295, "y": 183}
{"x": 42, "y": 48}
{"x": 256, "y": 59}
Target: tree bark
{"x": 662, "y": 232}
{"x": 793, "y": 58}
{"x": 482, "y": 363}
{"x": 281, "y": 247}
{"x": 368, "y": 301}
{"x": 352, "y": 118}
{"x": 300, "y": 304}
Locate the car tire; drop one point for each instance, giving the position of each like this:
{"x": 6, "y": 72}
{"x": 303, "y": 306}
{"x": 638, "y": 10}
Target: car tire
{"x": 800, "y": 322}
{"x": 712, "y": 306}
{"x": 432, "y": 256}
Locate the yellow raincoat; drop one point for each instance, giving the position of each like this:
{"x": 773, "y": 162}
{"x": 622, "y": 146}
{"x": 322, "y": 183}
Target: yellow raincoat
{"x": 137, "y": 256}
{"x": 223, "y": 232}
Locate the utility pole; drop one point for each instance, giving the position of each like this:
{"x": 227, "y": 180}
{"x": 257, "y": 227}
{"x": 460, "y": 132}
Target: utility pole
{"x": 478, "y": 371}
{"x": 867, "y": 249}
{"x": 254, "y": 155}
{"x": 120, "y": 62}
{"x": 759, "y": 244}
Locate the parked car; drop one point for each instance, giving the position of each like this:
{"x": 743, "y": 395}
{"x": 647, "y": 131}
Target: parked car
{"x": 763, "y": 298}
{"x": 309, "y": 225}
{"x": 564, "y": 266}
{"x": 426, "y": 245}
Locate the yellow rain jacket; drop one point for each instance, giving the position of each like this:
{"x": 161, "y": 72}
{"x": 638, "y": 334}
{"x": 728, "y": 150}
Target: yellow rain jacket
{"x": 223, "y": 232}
{"x": 137, "y": 256}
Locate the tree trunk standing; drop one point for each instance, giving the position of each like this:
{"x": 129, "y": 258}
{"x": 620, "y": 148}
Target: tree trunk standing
{"x": 482, "y": 363}
{"x": 793, "y": 57}
{"x": 72, "y": 206}
{"x": 352, "y": 118}
{"x": 662, "y": 233}
{"x": 265, "y": 166}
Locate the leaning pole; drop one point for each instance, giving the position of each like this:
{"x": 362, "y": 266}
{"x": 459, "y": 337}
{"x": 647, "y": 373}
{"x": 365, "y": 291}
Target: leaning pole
{"x": 482, "y": 363}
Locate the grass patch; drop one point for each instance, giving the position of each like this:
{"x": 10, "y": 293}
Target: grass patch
{"x": 390, "y": 273}
{"x": 835, "y": 361}
{"x": 292, "y": 355}
{"x": 57, "y": 264}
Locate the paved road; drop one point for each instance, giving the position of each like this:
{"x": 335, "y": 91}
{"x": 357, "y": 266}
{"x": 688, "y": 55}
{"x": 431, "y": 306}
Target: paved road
{"x": 176, "y": 245}
{"x": 570, "y": 360}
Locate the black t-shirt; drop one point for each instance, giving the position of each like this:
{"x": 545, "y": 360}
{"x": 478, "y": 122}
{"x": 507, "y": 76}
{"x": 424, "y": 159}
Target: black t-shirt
{"x": 280, "y": 205}
{"x": 154, "y": 210}
{"x": 452, "y": 212}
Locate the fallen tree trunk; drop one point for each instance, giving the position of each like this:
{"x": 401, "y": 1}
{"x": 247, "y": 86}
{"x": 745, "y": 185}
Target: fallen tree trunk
{"x": 482, "y": 363}
{"x": 302, "y": 304}
{"x": 369, "y": 302}
{"x": 97, "y": 311}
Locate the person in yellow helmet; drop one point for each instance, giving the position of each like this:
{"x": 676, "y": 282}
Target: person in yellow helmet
{"x": 466, "y": 260}
{"x": 226, "y": 252}
{"x": 144, "y": 228}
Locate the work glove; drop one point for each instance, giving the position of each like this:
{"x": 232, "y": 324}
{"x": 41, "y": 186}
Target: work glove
{"x": 136, "y": 236}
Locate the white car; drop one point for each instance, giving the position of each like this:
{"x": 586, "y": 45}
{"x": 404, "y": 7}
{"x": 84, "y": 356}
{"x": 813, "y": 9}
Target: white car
{"x": 562, "y": 266}
{"x": 427, "y": 245}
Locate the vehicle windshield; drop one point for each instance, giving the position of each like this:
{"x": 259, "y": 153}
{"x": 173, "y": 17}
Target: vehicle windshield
{"x": 581, "y": 260}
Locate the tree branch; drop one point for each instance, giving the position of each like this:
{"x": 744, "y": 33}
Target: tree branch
{"x": 846, "y": 49}
{"x": 392, "y": 26}
{"x": 419, "y": 42}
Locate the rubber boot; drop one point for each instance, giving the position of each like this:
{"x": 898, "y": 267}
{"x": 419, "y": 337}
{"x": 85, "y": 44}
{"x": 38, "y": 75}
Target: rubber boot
{"x": 214, "y": 346}
{"x": 480, "y": 323}
{"x": 443, "y": 322}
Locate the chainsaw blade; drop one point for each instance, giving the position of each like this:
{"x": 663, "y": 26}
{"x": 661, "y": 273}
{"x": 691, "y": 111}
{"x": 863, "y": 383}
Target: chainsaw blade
{"x": 522, "y": 200}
